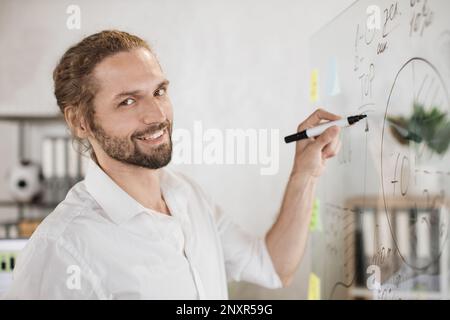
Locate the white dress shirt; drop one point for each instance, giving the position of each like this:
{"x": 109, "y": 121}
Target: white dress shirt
{"x": 100, "y": 243}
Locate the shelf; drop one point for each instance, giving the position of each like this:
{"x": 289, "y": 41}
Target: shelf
{"x": 360, "y": 292}
{"x": 37, "y": 204}
{"x": 30, "y": 117}
{"x": 377, "y": 202}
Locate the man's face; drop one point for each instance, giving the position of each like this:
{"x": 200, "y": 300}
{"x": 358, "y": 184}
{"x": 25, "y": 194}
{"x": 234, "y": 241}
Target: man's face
{"x": 132, "y": 109}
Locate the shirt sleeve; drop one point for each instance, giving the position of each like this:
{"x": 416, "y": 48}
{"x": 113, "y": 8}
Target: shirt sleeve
{"x": 50, "y": 269}
{"x": 246, "y": 256}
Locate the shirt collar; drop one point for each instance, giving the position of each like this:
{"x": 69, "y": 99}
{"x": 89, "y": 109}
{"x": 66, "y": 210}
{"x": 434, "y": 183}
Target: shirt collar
{"x": 118, "y": 204}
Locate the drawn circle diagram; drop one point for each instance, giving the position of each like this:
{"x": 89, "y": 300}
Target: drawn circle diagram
{"x": 412, "y": 173}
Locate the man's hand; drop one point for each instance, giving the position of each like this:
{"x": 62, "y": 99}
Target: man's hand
{"x": 311, "y": 154}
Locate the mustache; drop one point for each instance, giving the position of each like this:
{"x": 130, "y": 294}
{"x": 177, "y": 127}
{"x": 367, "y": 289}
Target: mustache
{"x": 152, "y": 128}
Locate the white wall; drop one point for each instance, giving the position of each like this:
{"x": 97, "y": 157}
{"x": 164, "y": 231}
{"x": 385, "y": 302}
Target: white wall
{"x": 232, "y": 64}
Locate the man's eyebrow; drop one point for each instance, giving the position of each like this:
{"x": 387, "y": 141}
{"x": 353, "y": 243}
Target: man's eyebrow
{"x": 138, "y": 92}
{"x": 164, "y": 83}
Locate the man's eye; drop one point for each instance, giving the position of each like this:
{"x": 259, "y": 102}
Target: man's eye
{"x": 160, "y": 92}
{"x": 127, "y": 102}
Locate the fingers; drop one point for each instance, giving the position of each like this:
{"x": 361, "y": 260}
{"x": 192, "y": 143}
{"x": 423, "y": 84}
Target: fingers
{"x": 315, "y": 118}
{"x": 332, "y": 148}
{"x": 327, "y": 137}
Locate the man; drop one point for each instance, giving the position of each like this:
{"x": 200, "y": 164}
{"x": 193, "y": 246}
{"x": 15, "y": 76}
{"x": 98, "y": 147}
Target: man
{"x": 134, "y": 229}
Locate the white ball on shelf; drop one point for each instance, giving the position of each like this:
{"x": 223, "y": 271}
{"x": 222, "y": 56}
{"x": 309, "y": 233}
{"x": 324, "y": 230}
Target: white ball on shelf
{"x": 25, "y": 181}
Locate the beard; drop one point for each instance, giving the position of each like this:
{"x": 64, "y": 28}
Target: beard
{"x": 128, "y": 151}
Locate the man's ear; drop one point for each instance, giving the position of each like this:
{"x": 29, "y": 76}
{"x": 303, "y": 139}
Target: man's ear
{"x": 76, "y": 122}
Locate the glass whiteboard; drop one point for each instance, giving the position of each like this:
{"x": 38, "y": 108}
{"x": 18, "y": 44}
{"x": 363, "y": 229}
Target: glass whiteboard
{"x": 383, "y": 202}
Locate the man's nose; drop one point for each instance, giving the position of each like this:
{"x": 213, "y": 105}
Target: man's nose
{"x": 153, "y": 112}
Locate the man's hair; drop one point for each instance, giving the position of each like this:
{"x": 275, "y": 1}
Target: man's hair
{"x": 73, "y": 80}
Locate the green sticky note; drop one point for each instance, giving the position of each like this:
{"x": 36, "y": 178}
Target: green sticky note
{"x": 315, "y": 224}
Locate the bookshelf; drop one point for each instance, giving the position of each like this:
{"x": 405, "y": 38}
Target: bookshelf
{"x": 408, "y": 269}
{"x": 26, "y": 122}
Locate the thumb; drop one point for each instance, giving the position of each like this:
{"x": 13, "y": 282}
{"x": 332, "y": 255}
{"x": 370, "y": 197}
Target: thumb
{"x": 327, "y": 136}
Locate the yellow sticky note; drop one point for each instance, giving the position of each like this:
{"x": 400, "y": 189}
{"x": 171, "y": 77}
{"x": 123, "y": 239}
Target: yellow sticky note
{"x": 314, "y": 86}
{"x": 315, "y": 224}
{"x": 314, "y": 287}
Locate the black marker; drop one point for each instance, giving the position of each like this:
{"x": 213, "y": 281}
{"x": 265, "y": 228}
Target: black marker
{"x": 317, "y": 131}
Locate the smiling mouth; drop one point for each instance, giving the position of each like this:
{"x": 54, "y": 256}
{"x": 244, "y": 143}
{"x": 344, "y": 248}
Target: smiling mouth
{"x": 154, "y": 137}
